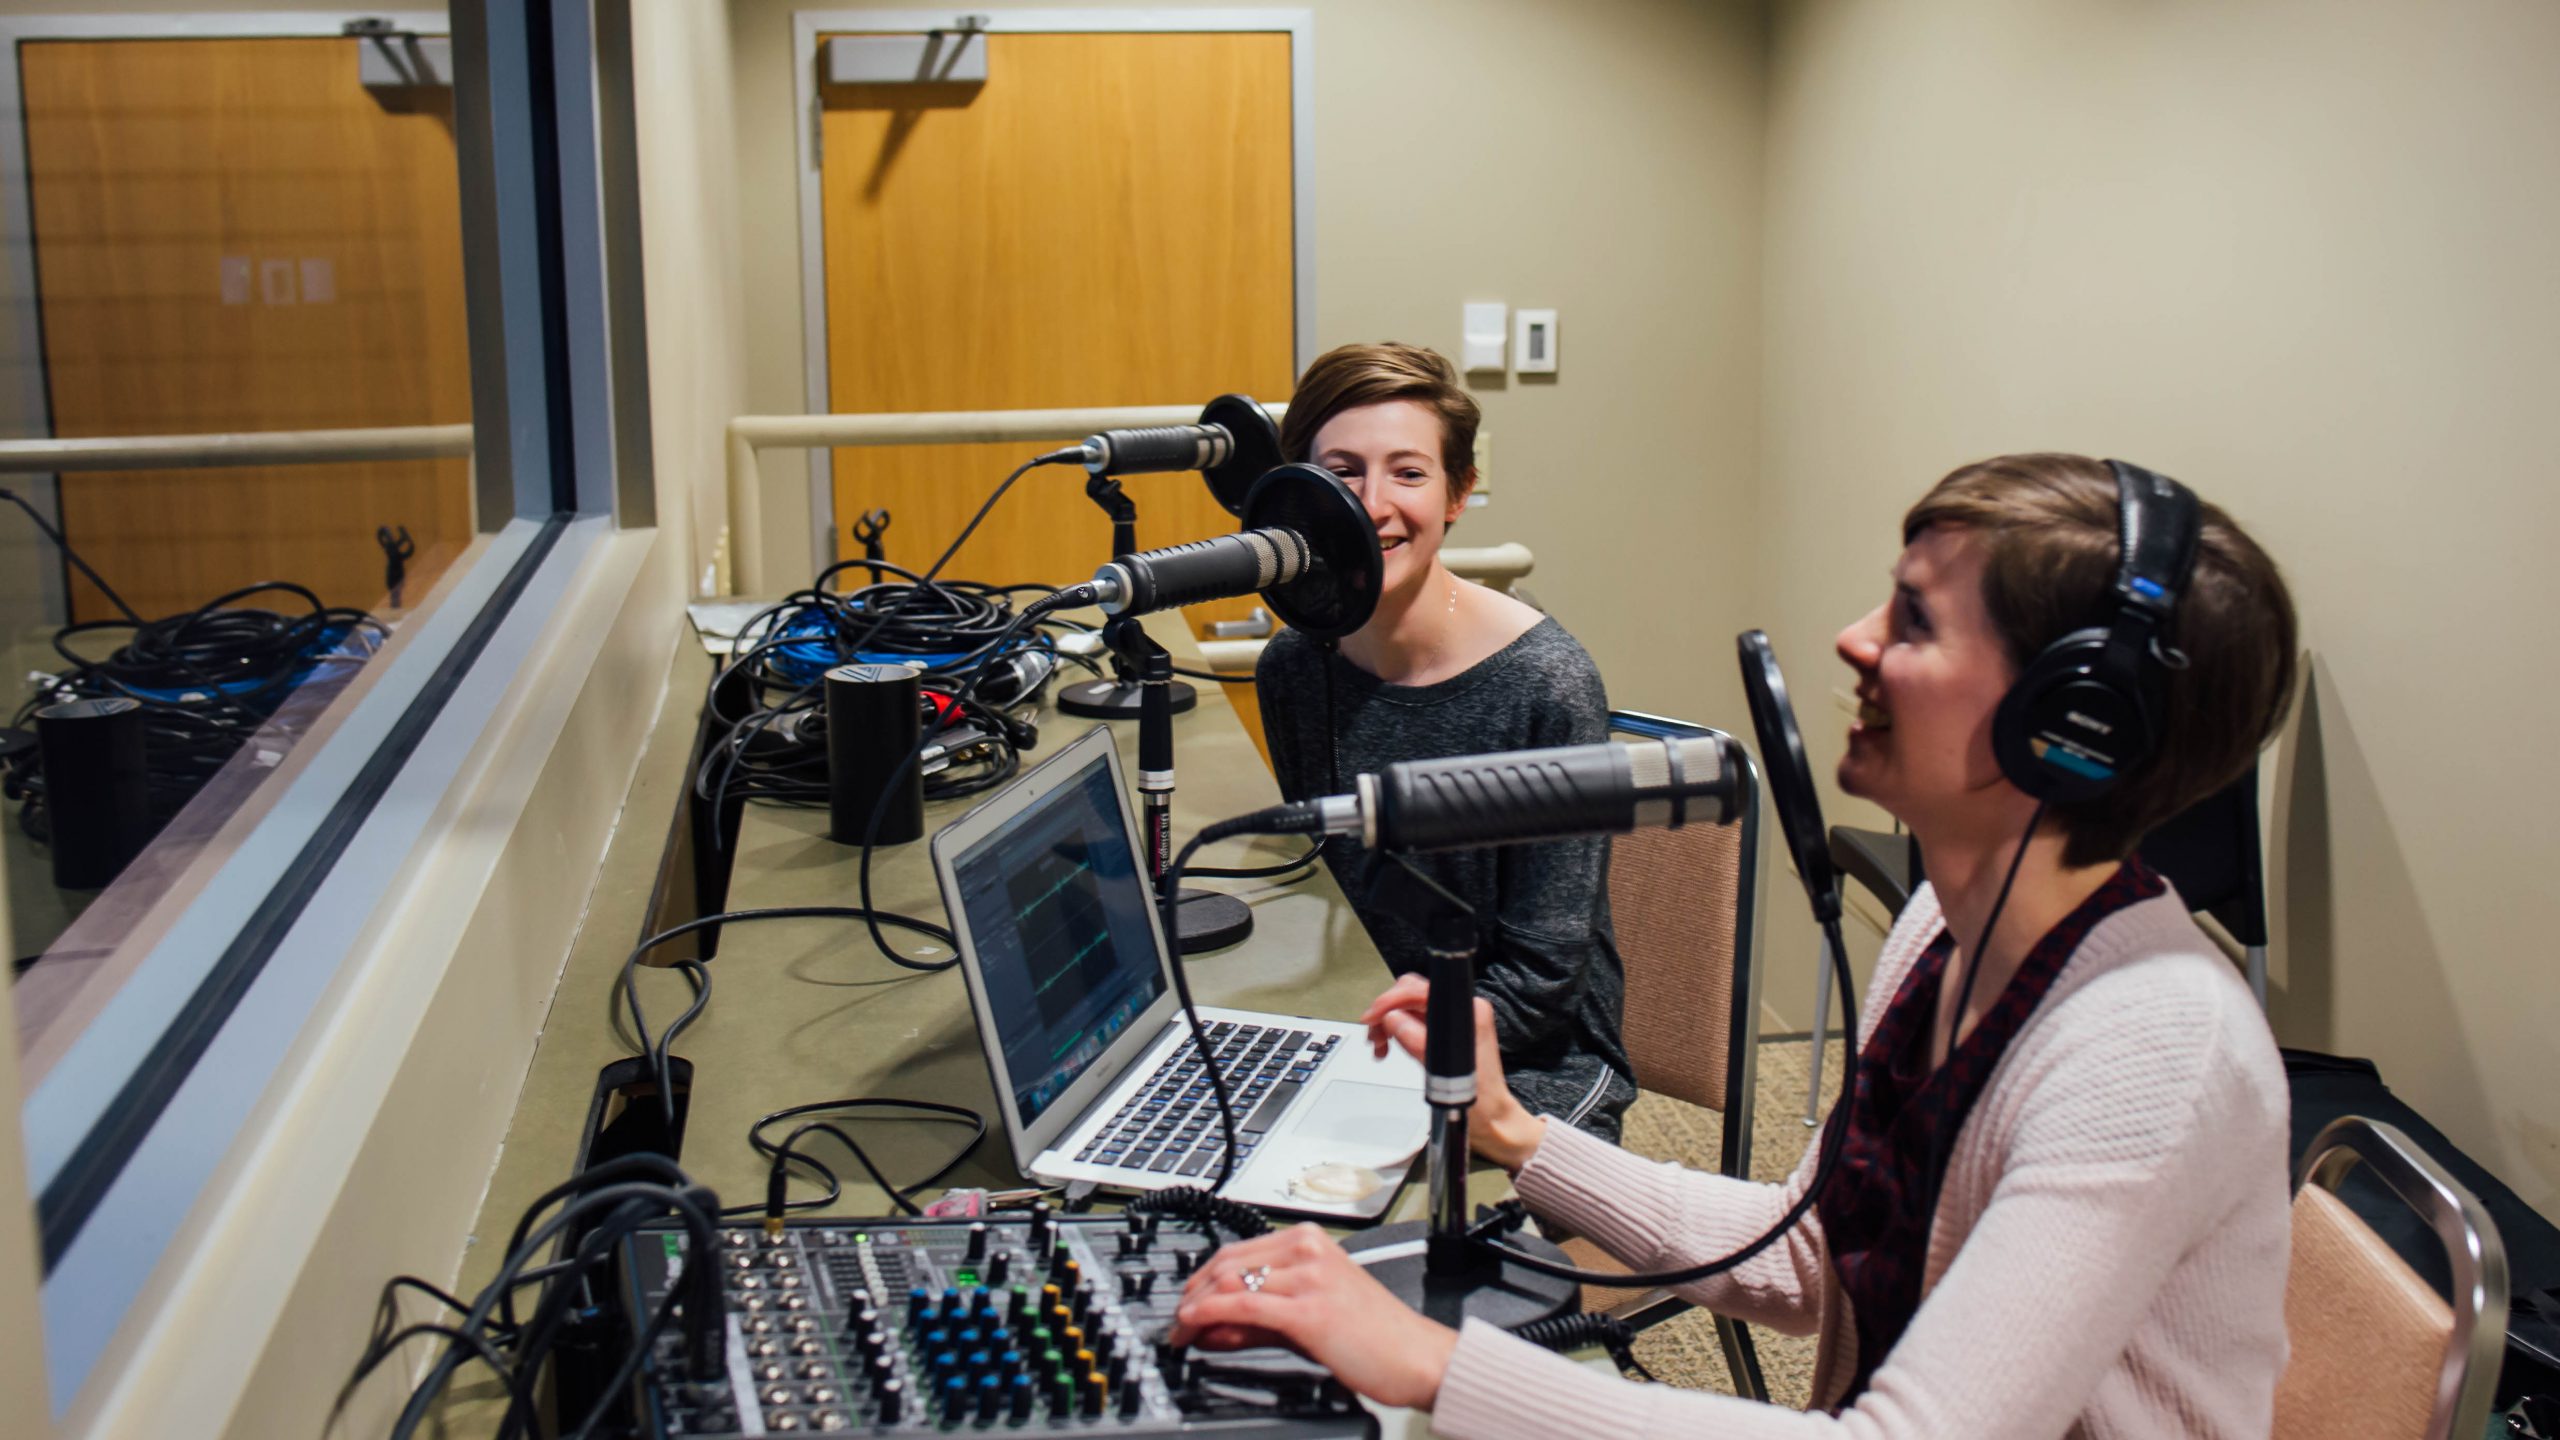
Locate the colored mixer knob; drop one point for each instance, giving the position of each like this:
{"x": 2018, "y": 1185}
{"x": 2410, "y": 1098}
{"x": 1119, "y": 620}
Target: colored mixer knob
{"x": 955, "y": 1395}
{"x": 1096, "y": 1391}
{"x": 1021, "y": 1394}
{"x": 1000, "y": 1269}
{"x": 1130, "y": 1398}
{"x": 893, "y": 1402}
{"x": 977, "y": 1240}
{"x": 918, "y": 1301}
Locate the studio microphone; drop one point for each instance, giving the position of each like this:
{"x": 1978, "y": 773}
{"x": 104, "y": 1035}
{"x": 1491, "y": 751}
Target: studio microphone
{"x": 1214, "y": 569}
{"x": 1468, "y": 801}
{"x": 1310, "y": 550}
{"x": 1233, "y": 444}
{"x": 1157, "y": 448}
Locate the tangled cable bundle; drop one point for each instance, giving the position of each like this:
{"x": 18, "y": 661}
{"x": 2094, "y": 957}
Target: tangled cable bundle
{"x": 207, "y": 680}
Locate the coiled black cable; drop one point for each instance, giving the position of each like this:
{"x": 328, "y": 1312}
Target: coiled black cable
{"x": 1572, "y": 1332}
{"x": 1189, "y": 1202}
{"x": 207, "y": 680}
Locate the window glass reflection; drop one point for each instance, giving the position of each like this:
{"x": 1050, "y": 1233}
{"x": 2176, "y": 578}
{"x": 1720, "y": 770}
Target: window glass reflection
{"x": 215, "y": 237}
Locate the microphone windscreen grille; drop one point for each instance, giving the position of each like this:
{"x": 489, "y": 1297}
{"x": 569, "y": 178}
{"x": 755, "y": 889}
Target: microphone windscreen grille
{"x": 1701, "y": 761}
{"x": 1648, "y": 764}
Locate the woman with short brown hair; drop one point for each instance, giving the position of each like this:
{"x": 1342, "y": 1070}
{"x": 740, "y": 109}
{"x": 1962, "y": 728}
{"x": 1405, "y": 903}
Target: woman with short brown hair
{"x": 2060, "y": 1205}
{"x": 1448, "y": 668}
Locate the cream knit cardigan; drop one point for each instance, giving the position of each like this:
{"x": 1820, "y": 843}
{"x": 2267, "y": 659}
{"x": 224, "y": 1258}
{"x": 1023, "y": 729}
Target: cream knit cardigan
{"x": 2107, "y": 1258}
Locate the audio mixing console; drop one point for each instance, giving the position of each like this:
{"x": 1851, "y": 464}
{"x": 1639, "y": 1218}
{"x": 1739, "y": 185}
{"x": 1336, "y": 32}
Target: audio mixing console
{"x": 1035, "y": 1325}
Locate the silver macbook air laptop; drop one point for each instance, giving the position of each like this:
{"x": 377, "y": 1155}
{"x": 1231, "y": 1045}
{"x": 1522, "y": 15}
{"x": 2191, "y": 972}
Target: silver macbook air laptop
{"x": 1094, "y": 1065}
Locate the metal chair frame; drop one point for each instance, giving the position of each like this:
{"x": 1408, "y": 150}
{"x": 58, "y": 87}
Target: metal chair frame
{"x": 2473, "y": 1251}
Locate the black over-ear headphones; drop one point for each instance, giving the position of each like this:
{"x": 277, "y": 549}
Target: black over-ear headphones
{"x": 2086, "y": 712}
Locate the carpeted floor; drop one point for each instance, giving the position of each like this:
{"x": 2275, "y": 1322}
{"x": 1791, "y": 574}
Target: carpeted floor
{"x": 1683, "y": 1351}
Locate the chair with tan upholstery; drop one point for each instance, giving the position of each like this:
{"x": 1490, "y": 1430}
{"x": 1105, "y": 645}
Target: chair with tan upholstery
{"x": 2376, "y": 1352}
{"x": 1682, "y": 904}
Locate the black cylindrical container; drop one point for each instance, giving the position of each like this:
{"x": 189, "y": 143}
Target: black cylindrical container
{"x": 97, "y": 796}
{"x": 873, "y": 729}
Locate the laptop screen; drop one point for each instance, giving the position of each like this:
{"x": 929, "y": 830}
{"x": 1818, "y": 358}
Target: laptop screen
{"x": 1057, "y": 911}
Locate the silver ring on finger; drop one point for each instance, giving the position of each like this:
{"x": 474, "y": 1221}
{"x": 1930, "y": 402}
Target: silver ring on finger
{"x": 1255, "y": 1278}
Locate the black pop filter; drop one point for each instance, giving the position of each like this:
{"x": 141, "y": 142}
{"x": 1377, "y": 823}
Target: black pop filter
{"x": 1790, "y": 774}
{"x": 1338, "y": 593}
{"x": 1256, "y": 449}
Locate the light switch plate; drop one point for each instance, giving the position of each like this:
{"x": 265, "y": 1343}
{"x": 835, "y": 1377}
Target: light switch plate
{"x": 1483, "y": 334}
{"x": 1534, "y": 337}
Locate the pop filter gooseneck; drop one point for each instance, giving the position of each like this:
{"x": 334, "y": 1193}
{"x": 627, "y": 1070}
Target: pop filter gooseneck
{"x": 1339, "y": 593}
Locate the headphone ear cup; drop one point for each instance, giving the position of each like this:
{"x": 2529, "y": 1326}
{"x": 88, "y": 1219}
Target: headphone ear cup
{"x": 2068, "y": 730}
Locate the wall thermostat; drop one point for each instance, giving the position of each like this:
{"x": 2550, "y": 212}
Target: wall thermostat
{"x": 1533, "y": 342}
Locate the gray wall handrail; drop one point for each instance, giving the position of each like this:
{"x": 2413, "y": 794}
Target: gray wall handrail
{"x": 264, "y": 447}
{"x": 751, "y": 433}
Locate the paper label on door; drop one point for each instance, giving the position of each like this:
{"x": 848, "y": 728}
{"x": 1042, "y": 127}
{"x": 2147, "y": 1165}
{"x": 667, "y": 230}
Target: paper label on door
{"x": 275, "y": 281}
{"x": 235, "y": 279}
{"x": 319, "y": 282}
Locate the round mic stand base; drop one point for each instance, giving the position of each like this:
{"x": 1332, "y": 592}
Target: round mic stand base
{"x": 1486, "y": 1288}
{"x": 1210, "y": 920}
{"x": 1117, "y": 699}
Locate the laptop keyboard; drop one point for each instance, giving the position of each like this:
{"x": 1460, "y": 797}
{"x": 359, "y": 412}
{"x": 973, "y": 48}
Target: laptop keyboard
{"x": 1170, "y": 1126}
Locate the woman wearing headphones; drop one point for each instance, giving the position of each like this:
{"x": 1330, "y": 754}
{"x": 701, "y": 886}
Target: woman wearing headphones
{"x": 1449, "y": 668}
{"x": 2060, "y": 1206}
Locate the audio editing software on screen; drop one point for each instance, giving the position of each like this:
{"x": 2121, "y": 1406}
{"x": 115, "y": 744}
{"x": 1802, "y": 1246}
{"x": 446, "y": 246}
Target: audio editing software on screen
{"x": 1059, "y": 913}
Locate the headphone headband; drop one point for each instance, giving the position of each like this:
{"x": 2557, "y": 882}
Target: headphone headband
{"x": 2157, "y": 524}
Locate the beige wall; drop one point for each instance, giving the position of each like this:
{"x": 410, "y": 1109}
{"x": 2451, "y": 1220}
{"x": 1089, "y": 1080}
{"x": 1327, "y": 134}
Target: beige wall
{"x": 2298, "y": 253}
{"x": 1601, "y": 158}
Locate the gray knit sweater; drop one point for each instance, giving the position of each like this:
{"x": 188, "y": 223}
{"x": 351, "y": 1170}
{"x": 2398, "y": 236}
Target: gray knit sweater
{"x": 1545, "y": 957}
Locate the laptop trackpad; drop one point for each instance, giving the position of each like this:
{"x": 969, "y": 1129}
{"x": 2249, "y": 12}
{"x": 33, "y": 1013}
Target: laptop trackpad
{"x": 1352, "y": 1119}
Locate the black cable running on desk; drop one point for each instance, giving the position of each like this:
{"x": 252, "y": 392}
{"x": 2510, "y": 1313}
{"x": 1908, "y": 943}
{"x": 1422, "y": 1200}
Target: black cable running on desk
{"x": 786, "y": 1154}
{"x": 697, "y": 972}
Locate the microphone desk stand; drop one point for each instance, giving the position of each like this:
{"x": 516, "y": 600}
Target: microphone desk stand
{"x": 1118, "y": 698}
{"x": 1451, "y": 1275}
{"x": 1205, "y": 919}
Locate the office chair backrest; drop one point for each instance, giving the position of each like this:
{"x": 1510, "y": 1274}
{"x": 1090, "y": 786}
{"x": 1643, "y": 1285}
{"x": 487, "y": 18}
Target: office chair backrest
{"x": 2211, "y": 852}
{"x": 1682, "y": 904}
{"x": 2376, "y": 1352}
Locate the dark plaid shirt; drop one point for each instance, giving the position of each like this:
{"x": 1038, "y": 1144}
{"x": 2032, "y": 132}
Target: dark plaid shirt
{"x": 1904, "y": 1118}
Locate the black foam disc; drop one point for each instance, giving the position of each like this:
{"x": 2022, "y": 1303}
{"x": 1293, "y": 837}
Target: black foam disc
{"x": 1257, "y": 449}
{"x": 1340, "y": 592}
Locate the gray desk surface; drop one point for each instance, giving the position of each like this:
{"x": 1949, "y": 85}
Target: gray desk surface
{"x": 805, "y": 1010}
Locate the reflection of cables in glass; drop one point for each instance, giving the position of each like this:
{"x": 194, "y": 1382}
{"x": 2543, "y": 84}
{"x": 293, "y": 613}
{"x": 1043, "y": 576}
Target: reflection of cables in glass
{"x": 207, "y": 679}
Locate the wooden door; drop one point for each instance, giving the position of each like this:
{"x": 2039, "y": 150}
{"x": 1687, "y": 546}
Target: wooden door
{"x": 234, "y": 235}
{"x": 1105, "y": 221}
